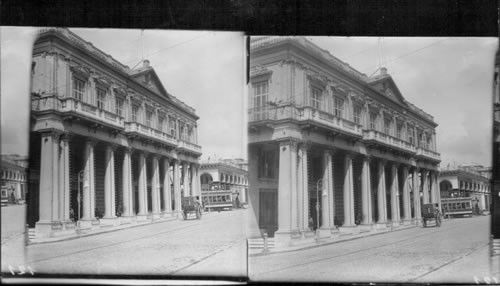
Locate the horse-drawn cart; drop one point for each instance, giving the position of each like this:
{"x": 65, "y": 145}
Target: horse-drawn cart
{"x": 191, "y": 205}
{"x": 430, "y": 212}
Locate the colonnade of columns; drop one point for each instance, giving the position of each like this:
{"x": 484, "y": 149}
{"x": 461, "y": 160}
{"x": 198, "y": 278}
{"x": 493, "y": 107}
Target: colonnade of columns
{"x": 294, "y": 190}
{"x": 54, "y": 191}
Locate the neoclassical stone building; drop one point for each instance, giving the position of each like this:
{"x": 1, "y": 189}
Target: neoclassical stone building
{"x": 330, "y": 147}
{"x": 109, "y": 145}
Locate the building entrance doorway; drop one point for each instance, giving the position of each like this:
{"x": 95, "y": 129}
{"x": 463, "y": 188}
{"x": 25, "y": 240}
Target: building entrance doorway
{"x": 268, "y": 211}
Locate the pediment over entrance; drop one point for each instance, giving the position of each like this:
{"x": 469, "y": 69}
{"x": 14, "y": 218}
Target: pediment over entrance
{"x": 386, "y": 86}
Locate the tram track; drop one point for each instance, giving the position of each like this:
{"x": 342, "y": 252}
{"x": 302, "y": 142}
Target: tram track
{"x": 409, "y": 240}
{"x": 148, "y": 236}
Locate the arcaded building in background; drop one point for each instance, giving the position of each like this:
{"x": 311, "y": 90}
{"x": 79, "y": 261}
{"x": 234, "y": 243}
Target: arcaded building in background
{"x": 332, "y": 148}
{"x": 108, "y": 145}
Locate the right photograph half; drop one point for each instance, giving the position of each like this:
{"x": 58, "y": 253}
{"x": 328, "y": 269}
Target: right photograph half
{"x": 370, "y": 159}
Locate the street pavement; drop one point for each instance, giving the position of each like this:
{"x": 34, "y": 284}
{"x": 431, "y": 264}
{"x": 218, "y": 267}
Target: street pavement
{"x": 213, "y": 246}
{"x": 456, "y": 252}
{"x": 13, "y": 237}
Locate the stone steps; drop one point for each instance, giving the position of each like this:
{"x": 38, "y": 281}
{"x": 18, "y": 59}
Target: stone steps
{"x": 258, "y": 243}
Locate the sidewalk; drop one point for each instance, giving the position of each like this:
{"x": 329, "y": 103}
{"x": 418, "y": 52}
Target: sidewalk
{"x": 252, "y": 252}
{"x": 105, "y": 229}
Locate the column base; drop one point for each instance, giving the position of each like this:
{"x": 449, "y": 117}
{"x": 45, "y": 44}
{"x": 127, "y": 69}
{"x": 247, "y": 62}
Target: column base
{"x": 86, "y": 223}
{"x": 325, "y": 232}
{"x": 167, "y": 214}
{"x": 282, "y": 238}
{"x": 126, "y": 219}
{"x": 366, "y": 227}
{"x": 380, "y": 226}
{"x": 155, "y": 216}
{"x": 349, "y": 229}
{"x": 141, "y": 217}
{"x": 407, "y": 221}
{"x": 43, "y": 229}
{"x": 395, "y": 224}
{"x": 109, "y": 221}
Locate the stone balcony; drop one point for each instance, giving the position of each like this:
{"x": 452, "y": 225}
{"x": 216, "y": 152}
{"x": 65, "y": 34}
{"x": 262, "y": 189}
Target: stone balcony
{"x": 189, "y": 147}
{"x": 302, "y": 115}
{"x": 150, "y": 133}
{"x": 389, "y": 141}
{"x": 428, "y": 154}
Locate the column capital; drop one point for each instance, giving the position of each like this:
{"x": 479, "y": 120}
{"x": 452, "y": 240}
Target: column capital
{"x": 91, "y": 141}
{"x": 111, "y": 146}
{"x": 382, "y": 162}
{"x": 66, "y": 136}
{"x": 54, "y": 133}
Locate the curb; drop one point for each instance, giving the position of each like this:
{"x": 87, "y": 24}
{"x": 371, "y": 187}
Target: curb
{"x": 76, "y": 236}
{"x": 329, "y": 242}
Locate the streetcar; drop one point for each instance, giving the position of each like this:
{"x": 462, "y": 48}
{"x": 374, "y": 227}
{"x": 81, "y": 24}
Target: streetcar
{"x": 455, "y": 207}
{"x": 218, "y": 200}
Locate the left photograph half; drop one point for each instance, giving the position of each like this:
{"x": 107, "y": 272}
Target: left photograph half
{"x": 130, "y": 151}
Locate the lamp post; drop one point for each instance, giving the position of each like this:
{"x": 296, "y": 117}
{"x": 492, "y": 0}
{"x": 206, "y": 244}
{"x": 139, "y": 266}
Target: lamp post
{"x": 320, "y": 181}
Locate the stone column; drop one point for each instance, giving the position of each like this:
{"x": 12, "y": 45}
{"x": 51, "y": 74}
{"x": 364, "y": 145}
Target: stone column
{"x": 382, "y": 206}
{"x": 416, "y": 196}
{"x": 303, "y": 187}
{"x": 88, "y": 194}
{"x": 326, "y": 192}
{"x": 109, "y": 187}
{"x": 167, "y": 196}
{"x": 48, "y": 183}
{"x": 432, "y": 178}
{"x": 395, "y": 195}
{"x": 366, "y": 192}
{"x": 195, "y": 184}
{"x": 177, "y": 187}
{"x": 294, "y": 222}
{"x": 64, "y": 194}
{"x": 128, "y": 208}
{"x": 348, "y": 192}
{"x": 185, "y": 180}
{"x": 406, "y": 197}
{"x": 425, "y": 186}
{"x": 155, "y": 188}
{"x": 285, "y": 182}
{"x": 143, "y": 203}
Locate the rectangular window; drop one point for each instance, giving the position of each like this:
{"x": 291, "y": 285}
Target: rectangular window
{"x": 119, "y": 106}
{"x": 316, "y": 97}
{"x": 135, "y": 110}
{"x": 172, "y": 126}
{"x": 410, "y": 135}
{"x": 373, "y": 120}
{"x": 387, "y": 126}
{"x": 357, "y": 114}
{"x": 78, "y": 89}
{"x": 267, "y": 163}
{"x": 260, "y": 99}
{"x": 399, "y": 128}
{"x": 339, "y": 106}
{"x": 160, "y": 123}
{"x": 101, "y": 98}
{"x": 149, "y": 115}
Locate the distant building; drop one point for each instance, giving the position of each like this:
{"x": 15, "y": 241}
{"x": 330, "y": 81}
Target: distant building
{"x": 224, "y": 183}
{"x": 465, "y": 189}
{"x": 331, "y": 147}
{"x": 14, "y": 177}
{"x": 109, "y": 145}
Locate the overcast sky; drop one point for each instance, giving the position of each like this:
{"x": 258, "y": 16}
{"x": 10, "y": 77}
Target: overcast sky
{"x": 204, "y": 69}
{"x": 449, "y": 78}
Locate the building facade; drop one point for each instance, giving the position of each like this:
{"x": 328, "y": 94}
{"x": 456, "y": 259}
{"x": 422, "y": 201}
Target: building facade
{"x": 465, "y": 182}
{"x": 109, "y": 145}
{"x": 224, "y": 183}
{"x": 13, "y": 174}
{"x": 330, "y": 147}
